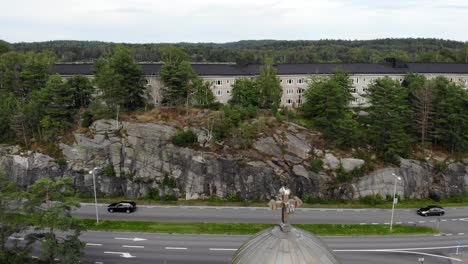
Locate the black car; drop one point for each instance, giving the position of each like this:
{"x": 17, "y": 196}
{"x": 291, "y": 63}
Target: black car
{"x": 122, "y": 206}
{"x": 431, "y": 210}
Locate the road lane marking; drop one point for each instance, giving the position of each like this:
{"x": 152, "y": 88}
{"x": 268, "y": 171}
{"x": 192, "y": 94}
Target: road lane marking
{"x": 16, "y": 238}
{"x": 399, "y": 223}
{"x": 454, "y": 219}
{"x": 427, "y": 254}
{"x": 448, "y": 234}
{"x": 397, "y": 249}
{"x": 223, "y": 249}
{"x": 363, "y": 223}
{"x": 461, "y": 234}
{"x": 444, "y": 220}
{"x": 410, "y": 222}
{"x": 122, "y": 254}
{"x": 375, "y": 223}
{"x": 132, "y": 239}
{"x": 92, "y": 244}
{"x": 421, "y": 222}
{"x": 127, "y": 246}
{"x": 176, "y": 248}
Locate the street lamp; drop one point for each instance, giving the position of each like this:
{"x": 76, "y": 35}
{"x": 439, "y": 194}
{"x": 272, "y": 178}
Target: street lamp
{"x": 393, "y": 202}
{"x": 93, "y": 172}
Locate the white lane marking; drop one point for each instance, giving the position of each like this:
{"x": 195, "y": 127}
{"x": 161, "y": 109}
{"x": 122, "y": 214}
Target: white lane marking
{"x": 363, "y": 223}
{"x": 131, "y": 239}
{"x": 16, "y": 238}
{"x": 122, "y": 254}
{"x": 375, "y": 223}
{"x": 176, "y": 248}
{"x": 127, "y": 246}
{"x": 421, "y": 222}
{"x": 98, "y": 262}
{"x": 223, "y": 249}
{"x": 92, "y": 244}
{"x": 410, "y": 222}
{"x": 34, "y": 257}
{"x": 437, "y": 235}
{"x": 461, "y": 233}
{"x": 454, "y": 219}
{"x": 427, "y": 254}
{"x": 432, "y": 221}
{"x": 386, "y": 223}
{"x": 399, "y": 223}
{"x": 464, "y": 219}
{"x": 448, "y": 234}
{"x": 444, "y": 220}
{"x": 396, "y": 249}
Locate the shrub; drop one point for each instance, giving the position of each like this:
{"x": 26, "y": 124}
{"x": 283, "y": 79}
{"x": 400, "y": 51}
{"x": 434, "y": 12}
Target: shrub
{"x": 440, "y": 167}
{"x": 316, "y": 165}
{"x": 169, "y": 181}
{"x": 153, "y": 194}
{"x": 184, "y": 138}
{"x": 234, "y": 197}
{"x": 169, "y": 197}
{"x": 86, "y": 119}
{"x": 107, "y": 171}
{"x": 343, "y": 176}
{"x": 215, "y": 198}
{"x": 372, "y": 199}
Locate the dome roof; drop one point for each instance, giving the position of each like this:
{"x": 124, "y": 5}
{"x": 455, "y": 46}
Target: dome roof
{"x": 274, "y": 246}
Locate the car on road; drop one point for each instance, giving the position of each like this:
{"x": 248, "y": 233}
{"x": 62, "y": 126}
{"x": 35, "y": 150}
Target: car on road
{"x": 122, "y": 206}
{"x": 431, "y": 210}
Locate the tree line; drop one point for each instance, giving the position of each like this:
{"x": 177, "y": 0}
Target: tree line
{"x": 256, "y": 51}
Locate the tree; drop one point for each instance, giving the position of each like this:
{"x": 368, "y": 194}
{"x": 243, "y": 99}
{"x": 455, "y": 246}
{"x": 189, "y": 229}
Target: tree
{"x": 387, "y": 119}
{"x": 11, "y": 224}
{"x": 58, "y": 106}
{"x": 245, "y": 93}
{"x": 50, "y": 206}
{"x": 4, "y": 46}
{"x": 202, "y": 93}
{"x": 327, "y": 105}
{"x": 450, "y": 115}
{"x": 7, "y": 109}
{"x": 35, "y": 71}
{"x": 422, "y": 104}
{"x": 120, "y": 79}
{"x": 269, "y": 86}
{"x": 81, "y": 89}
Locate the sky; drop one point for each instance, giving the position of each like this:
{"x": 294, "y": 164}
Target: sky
{"x": 155, "y": 21}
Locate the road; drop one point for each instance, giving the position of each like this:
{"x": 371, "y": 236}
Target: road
{"x": 141, "y": 248}
{"x": 455, "y": 220}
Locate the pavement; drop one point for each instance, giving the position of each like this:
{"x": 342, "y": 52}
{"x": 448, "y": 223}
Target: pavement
{"x": 133, "y": 248}
{"x": 453, "y": 223}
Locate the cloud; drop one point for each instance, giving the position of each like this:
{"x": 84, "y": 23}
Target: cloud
{"x": 222, "y": 20}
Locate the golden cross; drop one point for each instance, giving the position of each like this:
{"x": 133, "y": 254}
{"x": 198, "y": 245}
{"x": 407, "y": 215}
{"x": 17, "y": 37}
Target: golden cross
{"x": 288, "y": 206}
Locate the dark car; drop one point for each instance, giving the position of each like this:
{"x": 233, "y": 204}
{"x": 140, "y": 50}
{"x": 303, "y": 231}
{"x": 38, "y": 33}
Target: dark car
{"x": 122, "y": 206}
{"x": 431, "y": 210}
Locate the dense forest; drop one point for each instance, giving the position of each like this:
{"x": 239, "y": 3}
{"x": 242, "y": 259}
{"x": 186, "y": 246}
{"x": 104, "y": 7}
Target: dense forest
{"x": 255, "y": 51}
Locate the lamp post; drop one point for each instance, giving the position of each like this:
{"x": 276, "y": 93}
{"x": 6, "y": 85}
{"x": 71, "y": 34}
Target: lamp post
{"x": 393, "y": 202}
{"x": 93, "y": 172}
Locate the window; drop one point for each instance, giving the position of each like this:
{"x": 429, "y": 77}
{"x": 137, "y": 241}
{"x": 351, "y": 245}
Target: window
{"x": 353, "y": 90}
{"x": 300, "y": 81}
{"x": 219, "y": 82}
{"x": 289, "y": 91}
{"x": 300, "y": 91}
{"x": 228, "y": 91}
{"x": 227, "y": 81}
{"x": 298, "y": 101}
{"x": 290, "y": 81}
{"x": 219, "y": 92}
{"x": 290, "y": 101}
{"x": 357, "y": 80}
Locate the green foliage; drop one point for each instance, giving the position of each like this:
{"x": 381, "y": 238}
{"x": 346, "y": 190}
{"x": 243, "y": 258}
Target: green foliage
{"x": 215, "y": 199}
{"x": 327, "y": 105}
{"x": 153, "y": 194}
{"x": 255, "y": 51}
{"x": 185, "y": 138}
{"x": 234, "y": 197}
{"x": 169, "y": 197}
{"x": 316, "y": 165}
{"x": 244, "y": 93}
{"x": 440, "y": 167}
{"x": 8, "y": 106}
{"x": 387, "y": 119}
{"x": 4, "y": 46}
{"x": 169, "y": 181}
{"x": 107, "y": 171}
{"x": 372, "y": 199}
{"x": 86, "y": 119}
{"x": 81, "y": 90}
{"x": 120, "y": 79}
{"x": 231, "y": 122}
{"x": 269, "y": 87}
{"x": 100, "y": 110}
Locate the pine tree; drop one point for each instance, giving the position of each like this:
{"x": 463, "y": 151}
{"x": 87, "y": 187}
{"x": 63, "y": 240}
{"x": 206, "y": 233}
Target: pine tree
{"x": 81, "y": 89}
{"x": 120, "y": 79}
{"x": 269, "y": 86}
{"x": 245, "y": 93}
{"x": 387, "y": 119}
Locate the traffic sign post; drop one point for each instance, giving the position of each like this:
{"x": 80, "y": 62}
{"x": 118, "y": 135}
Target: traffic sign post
{"x": 458, "y": 243}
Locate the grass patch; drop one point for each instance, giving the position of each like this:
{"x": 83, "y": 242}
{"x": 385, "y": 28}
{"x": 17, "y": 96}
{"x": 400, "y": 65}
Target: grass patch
{"x": 248, "y": 228}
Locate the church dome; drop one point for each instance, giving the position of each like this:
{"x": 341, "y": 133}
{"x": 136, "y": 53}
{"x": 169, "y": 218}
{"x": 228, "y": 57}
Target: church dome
{"x": 284, "y": 244}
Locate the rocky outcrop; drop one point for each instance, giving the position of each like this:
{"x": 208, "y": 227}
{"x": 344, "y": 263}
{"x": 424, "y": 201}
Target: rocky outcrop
{"x": 137, "y": 157}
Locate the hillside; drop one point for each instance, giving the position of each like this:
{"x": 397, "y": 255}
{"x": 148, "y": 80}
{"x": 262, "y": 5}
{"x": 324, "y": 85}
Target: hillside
{"x": 282, "y": 51}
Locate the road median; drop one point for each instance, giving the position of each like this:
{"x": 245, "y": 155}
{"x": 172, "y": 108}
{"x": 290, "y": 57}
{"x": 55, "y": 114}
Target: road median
{"x": 249, "y": 228}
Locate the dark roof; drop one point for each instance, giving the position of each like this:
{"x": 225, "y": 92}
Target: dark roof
{"x": 225, "y": 69}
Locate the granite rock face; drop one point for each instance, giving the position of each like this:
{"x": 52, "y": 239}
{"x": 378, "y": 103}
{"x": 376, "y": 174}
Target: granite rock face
{"x": 141, "y": 157}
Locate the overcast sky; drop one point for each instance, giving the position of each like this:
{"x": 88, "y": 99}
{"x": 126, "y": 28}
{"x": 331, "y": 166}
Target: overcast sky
{"x": 143, "y": 21}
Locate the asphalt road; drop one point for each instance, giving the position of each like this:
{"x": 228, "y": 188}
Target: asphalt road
{"x": 141, "y": 248}
{"x": 455, "y": 220}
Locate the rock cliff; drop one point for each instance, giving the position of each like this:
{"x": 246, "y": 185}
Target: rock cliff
{"x": 137, "y": 157}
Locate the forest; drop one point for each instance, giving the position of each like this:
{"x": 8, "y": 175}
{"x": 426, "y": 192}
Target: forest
{"x": 255, "y": 51}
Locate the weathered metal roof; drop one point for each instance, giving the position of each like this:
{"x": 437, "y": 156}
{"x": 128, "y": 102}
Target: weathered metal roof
{"x": 229, "y": 69}
{"x": 274, "y": 246}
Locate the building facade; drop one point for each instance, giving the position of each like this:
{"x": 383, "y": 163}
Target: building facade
{"x": 294, "y": 78}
